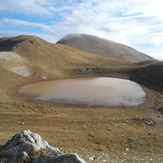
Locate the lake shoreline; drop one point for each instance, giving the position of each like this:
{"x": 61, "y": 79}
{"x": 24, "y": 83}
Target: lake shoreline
{"x": 150, "y": 102}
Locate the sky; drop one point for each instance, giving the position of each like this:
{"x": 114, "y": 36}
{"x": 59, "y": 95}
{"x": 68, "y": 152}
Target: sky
{"x": 136, "y": 23}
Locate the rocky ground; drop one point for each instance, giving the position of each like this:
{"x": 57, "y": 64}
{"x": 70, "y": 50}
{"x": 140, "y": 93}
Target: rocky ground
{"x": 97, "y": 134}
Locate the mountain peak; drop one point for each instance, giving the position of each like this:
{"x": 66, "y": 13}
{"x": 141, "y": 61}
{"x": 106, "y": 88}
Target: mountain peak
{"x": 104, "y": 47}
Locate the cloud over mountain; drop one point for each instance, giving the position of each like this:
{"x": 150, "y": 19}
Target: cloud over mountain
{"x": 136, "y": 23}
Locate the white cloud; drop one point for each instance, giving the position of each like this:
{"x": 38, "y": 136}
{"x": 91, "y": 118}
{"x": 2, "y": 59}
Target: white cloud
{"x": 21, "y": 23}
{"x": 28, "y": 7}
{"x": 136, "y": 23}
{"x": 158, "y": 56}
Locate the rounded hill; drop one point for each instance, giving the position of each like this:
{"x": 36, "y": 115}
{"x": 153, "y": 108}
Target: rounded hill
{"x": 103, "y": 47}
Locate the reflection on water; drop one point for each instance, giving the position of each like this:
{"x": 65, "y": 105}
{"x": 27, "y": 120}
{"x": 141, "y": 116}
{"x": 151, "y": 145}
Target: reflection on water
{"x": 102, "y": 91}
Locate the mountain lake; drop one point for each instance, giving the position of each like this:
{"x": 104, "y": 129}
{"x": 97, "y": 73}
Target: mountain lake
{"x": 95, "y": 91}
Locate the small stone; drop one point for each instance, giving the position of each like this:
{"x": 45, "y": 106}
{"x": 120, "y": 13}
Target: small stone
{"x": 127, "y": 149}
{"x": 43, "y": 77}
{"x": 91, "y": 158}
{"x": 21, "y": 123}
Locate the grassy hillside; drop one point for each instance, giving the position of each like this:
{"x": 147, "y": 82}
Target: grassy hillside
{"x": 104, "y": 47}
{"x": 49, "y": 58}
{"x": 149, "y": 75}
{"x": 111, "y": 134}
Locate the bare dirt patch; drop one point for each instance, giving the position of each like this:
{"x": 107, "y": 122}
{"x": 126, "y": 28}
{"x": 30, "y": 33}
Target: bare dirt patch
{"x": 15, "y": 63}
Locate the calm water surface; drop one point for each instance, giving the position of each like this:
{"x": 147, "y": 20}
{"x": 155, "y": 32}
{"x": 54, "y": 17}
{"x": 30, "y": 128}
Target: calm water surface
{"x": 101, "y": 91}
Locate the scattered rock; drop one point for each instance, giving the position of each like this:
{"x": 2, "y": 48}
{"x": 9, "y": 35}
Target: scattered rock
{"x": 85, "y": 69}
{"x": 21, "y": 123}
{"x": 150, "y": 123}
{"x": 30, "y": 147}
{"x": 145, "y": 121}
{"x": 43, "y": 77}
{"x": 126, "y": 149}
{"x": 92, "y": 158}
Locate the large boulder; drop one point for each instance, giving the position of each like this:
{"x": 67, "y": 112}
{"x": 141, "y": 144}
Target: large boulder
{"x": 30, "y": 147}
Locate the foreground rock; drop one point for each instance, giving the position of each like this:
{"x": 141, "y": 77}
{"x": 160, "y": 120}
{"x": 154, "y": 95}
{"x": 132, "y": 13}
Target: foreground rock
{"x": 30, "y": 147}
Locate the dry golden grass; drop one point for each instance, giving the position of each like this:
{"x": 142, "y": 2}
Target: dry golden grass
{"x": 102, "y": 133}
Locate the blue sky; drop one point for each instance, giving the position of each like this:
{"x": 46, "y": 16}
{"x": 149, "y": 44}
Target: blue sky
{"x": 136, "y": 23}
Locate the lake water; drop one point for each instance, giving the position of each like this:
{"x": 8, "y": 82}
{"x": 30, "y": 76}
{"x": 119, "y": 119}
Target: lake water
{"x": 101, "y": 91}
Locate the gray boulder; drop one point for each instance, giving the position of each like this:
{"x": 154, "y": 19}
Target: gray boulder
{"x": 27, "y": 147}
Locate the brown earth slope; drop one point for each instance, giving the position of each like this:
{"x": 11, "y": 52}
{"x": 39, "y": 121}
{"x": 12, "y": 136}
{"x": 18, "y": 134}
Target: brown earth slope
{"x": 96, "y": 134}
{"x": 42, "y": 56}
{"x": 104, "y": 47}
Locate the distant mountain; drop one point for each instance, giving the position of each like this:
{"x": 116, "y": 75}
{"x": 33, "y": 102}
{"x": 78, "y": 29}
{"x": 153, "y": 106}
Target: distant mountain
{"x": 104, "y": 47}
{"x": 28, "y": 55}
